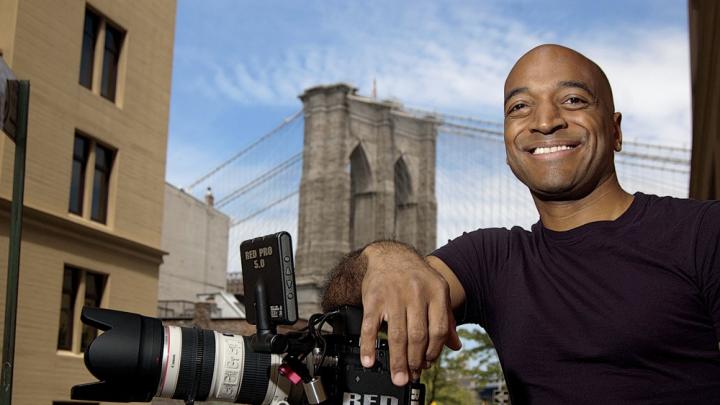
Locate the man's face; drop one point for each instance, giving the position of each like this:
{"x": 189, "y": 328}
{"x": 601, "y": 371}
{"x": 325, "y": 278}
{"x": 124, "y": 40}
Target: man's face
{"x": 560, "y": 130}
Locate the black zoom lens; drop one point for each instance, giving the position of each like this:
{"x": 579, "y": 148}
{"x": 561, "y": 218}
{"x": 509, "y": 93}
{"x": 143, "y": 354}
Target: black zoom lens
{"x": 137, "y": 358}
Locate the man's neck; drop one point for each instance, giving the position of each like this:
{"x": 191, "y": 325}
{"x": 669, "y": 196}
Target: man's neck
{"x": 606, "y": 203}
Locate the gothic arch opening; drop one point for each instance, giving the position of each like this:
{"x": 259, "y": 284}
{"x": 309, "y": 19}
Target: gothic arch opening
{"x": 362, "y": 216}
{"x": 405, "y": 208}
{"x": 403, "y": 184}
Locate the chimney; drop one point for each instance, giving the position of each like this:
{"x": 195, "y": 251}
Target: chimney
{"x": 209, "y": 198}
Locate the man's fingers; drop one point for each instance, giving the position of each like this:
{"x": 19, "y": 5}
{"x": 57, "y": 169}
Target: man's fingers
{"x": 453, "y": 341}
{"x": 397, "y": 339}
{"x": 417, "y": 337}
{"x": 368, "y": 338}
{"x": 438, "y": 326}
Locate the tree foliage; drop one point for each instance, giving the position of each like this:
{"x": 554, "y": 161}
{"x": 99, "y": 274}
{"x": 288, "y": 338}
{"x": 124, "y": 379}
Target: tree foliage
{"x": 454, "y": 377}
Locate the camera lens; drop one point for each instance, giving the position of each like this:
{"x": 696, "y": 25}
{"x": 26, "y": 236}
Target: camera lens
{"x": 137, "y": 358}
{"x": 207, "y": 365}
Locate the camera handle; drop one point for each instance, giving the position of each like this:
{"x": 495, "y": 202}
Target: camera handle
{"x": 266, "y": 340}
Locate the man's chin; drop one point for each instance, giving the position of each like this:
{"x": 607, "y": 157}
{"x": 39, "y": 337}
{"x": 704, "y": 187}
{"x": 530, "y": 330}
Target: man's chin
{"x": 557, "y": 192}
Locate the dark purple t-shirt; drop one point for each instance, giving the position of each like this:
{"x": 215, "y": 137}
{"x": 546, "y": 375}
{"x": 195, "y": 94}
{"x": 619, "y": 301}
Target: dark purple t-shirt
{"x": 624, "y": 311}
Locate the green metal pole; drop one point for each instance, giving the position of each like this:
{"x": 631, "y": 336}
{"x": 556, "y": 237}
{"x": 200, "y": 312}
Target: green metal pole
{"x": 11, "y": 295}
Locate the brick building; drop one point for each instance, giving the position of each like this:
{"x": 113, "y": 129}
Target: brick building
{"x": 97, "y": 137}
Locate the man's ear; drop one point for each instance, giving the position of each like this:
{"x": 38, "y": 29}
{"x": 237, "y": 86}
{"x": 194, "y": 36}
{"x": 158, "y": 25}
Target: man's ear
{"x": 617, "y": 132}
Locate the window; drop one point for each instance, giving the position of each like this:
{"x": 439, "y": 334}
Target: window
{"x": 94, "y": 288}
{"x": 71, "y": 283}
{"x": 77, "y": 180}
{"x": 102, "y": 47}
{"x": 101, "y": 182}
{"x": 89, "y": 153}
{"x": 87, "y": 59}
{"x": 80, "y": 288}
{"x": 111, "y": 59}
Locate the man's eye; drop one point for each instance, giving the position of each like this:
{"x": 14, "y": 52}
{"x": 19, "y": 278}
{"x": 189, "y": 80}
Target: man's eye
{"x": 574, "y": 100}
{"x": 516, "y": 107}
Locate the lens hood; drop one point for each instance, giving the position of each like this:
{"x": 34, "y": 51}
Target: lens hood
{"x": 126, "y": 358}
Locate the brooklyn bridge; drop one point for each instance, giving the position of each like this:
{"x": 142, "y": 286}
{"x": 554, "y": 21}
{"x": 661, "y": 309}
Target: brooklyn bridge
{"x": 346, "y": 169}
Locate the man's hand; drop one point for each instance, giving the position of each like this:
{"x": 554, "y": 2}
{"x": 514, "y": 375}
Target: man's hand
{"x": 414, "y": 298}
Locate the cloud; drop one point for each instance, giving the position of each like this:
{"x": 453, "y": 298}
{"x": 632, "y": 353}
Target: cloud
{"x": 457, "y": 61}
{"x": 447, "y": 58}
{"x": 185, "y": 161}
{"x": 650, "y": 75}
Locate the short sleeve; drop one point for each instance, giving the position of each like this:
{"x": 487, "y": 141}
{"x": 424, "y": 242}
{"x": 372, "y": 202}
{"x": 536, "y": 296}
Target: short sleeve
{"x": 474, "y": 257}
{"x": 707, "y": 261}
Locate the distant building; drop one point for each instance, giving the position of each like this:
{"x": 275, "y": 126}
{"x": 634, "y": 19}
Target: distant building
{"x": 195, "y": 235}
{"x": 100, "y": 89}
{"x": 222, "y": 305}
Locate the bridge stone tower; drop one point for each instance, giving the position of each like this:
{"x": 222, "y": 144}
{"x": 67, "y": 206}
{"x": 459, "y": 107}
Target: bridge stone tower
{"x": 368, "y": 173}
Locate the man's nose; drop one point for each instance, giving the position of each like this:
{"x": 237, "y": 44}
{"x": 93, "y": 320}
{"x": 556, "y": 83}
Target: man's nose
{"x": 547, "y": 119}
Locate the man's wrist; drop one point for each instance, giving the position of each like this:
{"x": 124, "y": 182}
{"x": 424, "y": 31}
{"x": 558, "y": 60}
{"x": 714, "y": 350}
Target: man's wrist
{"x": 382, "y": 247}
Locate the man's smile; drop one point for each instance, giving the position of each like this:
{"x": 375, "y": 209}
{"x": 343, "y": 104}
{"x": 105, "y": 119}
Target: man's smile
{"x": 552, "y": 150}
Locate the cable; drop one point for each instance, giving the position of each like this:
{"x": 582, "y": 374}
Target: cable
{"x": 263, "y": 209}
{"x": 266, "y": 175}
{"x": 243, "y": 151}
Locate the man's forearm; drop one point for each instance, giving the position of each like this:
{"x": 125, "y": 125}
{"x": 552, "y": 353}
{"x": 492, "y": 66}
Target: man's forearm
{"x": 344, "y": 284}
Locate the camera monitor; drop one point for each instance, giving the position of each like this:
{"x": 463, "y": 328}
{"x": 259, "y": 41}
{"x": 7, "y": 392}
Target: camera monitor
{"x": 268, "y": 270}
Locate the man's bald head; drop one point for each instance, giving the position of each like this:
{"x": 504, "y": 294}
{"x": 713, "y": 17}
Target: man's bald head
{"x": 561, "y": 53}
{"x": 557, "y": 98}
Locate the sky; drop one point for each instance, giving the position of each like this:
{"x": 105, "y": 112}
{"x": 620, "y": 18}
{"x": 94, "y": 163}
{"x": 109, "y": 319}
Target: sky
{"x": 239, "y": 66}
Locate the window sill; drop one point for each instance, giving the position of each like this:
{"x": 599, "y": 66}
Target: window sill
{"x": 97, "y": 94}
{"x": 89, "y": 222}
{"x": 69, "y": 354}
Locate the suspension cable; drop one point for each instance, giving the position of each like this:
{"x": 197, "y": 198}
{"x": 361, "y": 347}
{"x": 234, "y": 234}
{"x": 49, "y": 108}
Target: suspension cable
{"x": 266, "y": 175}
{"x": 243, "y": 151}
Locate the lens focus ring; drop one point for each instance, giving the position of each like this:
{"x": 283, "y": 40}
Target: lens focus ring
{"x": 255, "y": 377}
{"x": 188, "y": 364}
{"x": 207, "y": 365}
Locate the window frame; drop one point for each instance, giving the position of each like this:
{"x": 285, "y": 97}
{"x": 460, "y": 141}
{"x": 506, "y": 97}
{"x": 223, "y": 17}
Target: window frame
{"x": 100, "y": 203}
{"x": 78, "y": 331}
{"x": 111, "y": 54}
{"x": 65, "y": 340}
{"x": 94, "y": 206}
{"x": 103, "y": 63}
{"x": 89, "y": 47}
{"x": 82, "y": 175}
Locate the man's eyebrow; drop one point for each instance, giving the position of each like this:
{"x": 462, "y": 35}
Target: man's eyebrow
{"x": 577, "y": 84}
{"x": 515, "y": 91}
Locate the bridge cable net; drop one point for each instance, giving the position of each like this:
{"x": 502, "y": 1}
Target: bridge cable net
{"x": 476, "y": 189}
{"x": 258, "y": 186}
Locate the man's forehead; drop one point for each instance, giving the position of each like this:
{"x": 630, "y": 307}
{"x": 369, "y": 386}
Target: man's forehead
{"x": 552, "y": 65}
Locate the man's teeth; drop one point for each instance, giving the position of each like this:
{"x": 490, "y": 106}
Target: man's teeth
{"x": 551, "y": 149}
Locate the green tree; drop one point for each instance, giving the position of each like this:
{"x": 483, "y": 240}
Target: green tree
{"x": 446, "y": 381}
{"x": 479, "y": 356}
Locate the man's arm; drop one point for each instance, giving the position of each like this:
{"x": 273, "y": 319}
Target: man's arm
{"x": 343, "y": 286}
{"x": 414, "y": 295}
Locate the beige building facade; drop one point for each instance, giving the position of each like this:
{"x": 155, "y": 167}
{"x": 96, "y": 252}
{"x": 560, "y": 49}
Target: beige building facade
{"x": 100, "y": 74}
{"x": 195, "y": 236}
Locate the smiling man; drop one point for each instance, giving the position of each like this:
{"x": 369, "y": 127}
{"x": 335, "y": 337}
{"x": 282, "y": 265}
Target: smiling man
{"x": 609, "y": 298}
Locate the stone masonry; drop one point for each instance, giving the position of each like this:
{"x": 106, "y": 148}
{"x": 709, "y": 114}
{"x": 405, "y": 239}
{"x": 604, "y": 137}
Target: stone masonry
{"x": 368, "y": 174}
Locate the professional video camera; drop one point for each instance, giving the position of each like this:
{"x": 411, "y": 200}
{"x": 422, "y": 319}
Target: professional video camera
{"x": 138, "y": 358}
